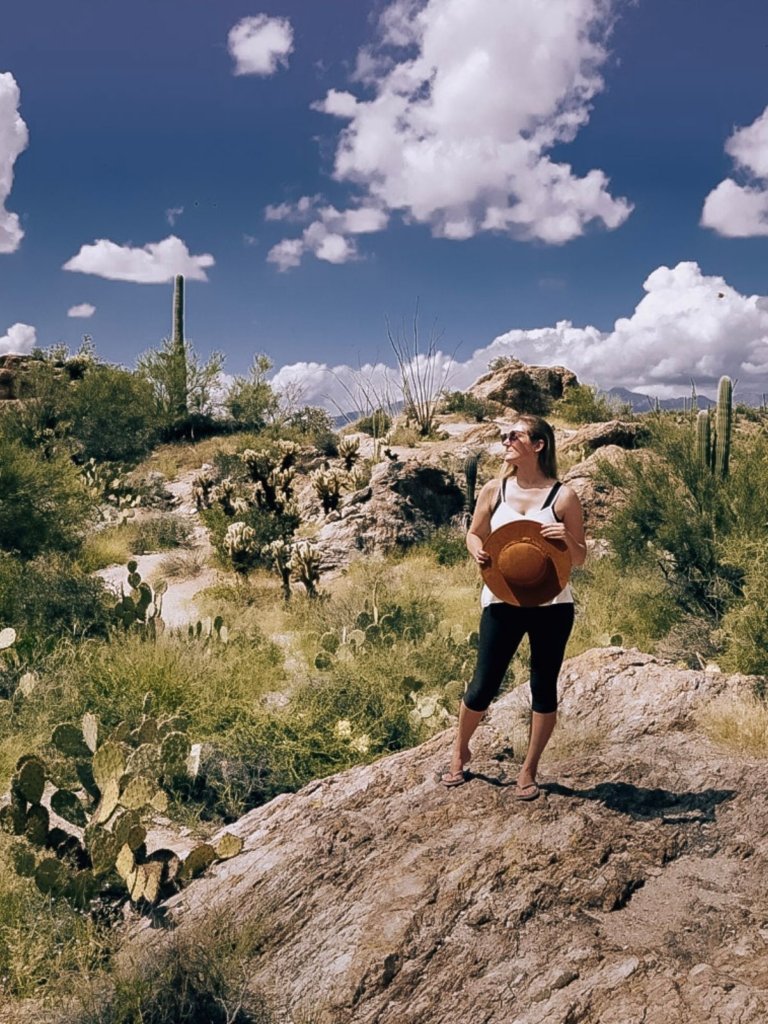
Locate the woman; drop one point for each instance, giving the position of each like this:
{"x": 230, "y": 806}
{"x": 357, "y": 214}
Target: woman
{"x": 528, "y": 489}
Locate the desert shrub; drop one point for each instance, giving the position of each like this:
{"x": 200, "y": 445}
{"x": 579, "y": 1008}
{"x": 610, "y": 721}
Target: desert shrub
{"x": 406, "y": 436}
{"x": 114, "y": 414}
{"x": 744, "y": 627}
{"x": 43, "y": 505}
{"x": 199, "y": 977}
{"x": 159, "y": 533}
{"x": 50, "y": 597}
{"x": 447, "y": 545}
{"x": 468, "y": 405}
{"x": 582, "y": 403}
{"x": 376, "y": 424}
{"x": 266, "y": 526}
{"x": 251, "y": 402}
{"x": 738, "y": 722}
{"x": 44, "y": 944}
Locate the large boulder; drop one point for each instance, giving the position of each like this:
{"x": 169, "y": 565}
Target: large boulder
{"x": 628, "y": 893}
{"x": 402, "y": 504}
{"x": 599, "y": 498}
{"x": 518, "y": 387}
{"x": 592, "y": 436}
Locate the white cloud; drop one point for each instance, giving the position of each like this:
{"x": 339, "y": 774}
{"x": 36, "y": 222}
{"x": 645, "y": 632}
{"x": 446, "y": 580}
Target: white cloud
{"x": 286, "y": 254}
{"x": 687, "y": 325}
{"x": 173, "y": 213}
{"x": 13, "y": 141}
{"x": 19, "y": 339}
{"x": 461, "y": 124}
{"x": 260, "y": 44}
{"x": 297, "y": 211}
{"x": 155, "y": 263}
{"x": 327, "y": 237}
{"x": 84, "y": 310}
{"x": 741, "y": 211}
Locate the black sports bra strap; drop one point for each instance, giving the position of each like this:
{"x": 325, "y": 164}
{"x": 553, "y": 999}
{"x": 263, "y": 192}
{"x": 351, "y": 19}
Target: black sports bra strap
{"x": 552, "y": 494}
{"x": 501, "y": 495}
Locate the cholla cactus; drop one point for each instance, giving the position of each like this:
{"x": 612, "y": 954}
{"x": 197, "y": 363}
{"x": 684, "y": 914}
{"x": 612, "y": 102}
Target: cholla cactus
{"x": 241, "y": 546}
{"x": 271, "y": 471}
{"x": 360, "y": 476}
{"x": 349, "y": 451}
{"x": 224, "y": 493}
{"x": 327, "y": 484}
{"x": 279, "y": 554}
{"x": 305, "y": 564}
{"x": 202, "y": 486}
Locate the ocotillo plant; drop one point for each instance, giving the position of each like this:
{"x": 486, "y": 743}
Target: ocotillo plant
{"x": 714, "y": 446}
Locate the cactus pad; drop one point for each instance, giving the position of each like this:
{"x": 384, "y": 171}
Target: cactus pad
{"x": 103, "y": 849}
{"x": 147, "y": 732}
{"x": 198, "y": 860}
{"x": 228, "y": 845}
{"x": 110, "y": 796}
{"x": 90, "y": 731}
{"x": 145, "y": 758}
{"x": 323, "y": 661}
{"x": 37, "y": 824}
{"x": 122, "y": 825}
{"x": 81, "y": 888}
{"x": 69, "y": 740}
{"x": 51, "y": 876}
{"x": 108, "y": 763}
{"x": 67, "y": 806}
{"x": 356, "y": 637}
{"x": 7, "y": 638}
{"x": 153, "y": 877}
{"x": 13, "y": 818}
{"x": 84, "y": 772}
{"x": 29, "y": 781}
{"x": 137, "y": 793}
{"x": 27, "y": 684}
{"x": 175, "y": 750}
{"x": 175, "y": 724}
{"x": 125, "y": 863}
{"x": 159, "y": 802}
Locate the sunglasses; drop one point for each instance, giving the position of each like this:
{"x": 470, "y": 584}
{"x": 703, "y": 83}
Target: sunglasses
{"x": 513, "y": 435}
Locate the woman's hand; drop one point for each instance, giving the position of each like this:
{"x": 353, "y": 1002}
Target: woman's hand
{"x": 482, "y": 558}
{"x": 554, "y": 531}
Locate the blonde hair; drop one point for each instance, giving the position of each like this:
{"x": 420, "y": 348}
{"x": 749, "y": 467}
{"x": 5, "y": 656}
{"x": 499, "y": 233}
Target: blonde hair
{"x": 538, "y": 430}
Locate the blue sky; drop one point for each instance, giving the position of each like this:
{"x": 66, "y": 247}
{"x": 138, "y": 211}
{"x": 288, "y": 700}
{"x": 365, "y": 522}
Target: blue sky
{"x": 136, "y": 110}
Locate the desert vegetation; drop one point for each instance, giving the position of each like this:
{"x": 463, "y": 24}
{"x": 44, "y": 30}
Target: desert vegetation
{"x": 110, "y": 717}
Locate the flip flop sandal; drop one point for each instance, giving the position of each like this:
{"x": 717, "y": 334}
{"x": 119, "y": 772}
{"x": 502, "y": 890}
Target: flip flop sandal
{"x": 450, "y": 779}
{"x": 529, "y": 792}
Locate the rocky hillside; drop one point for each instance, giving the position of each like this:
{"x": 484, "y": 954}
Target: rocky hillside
{"x": 629, "y": 893}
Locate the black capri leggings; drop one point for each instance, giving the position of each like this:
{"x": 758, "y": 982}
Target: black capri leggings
{"x": 502, "y": 627}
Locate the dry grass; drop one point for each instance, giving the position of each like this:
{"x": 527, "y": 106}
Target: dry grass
{"x": 108, "y": 547}
{"x": 182, "y": 456}
{"x": 739, "y": 723}
{"x": 181, "y": 565}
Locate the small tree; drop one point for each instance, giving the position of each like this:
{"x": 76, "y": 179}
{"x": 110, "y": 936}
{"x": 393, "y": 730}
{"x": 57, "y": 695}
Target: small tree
{"x": 251, "y": 402}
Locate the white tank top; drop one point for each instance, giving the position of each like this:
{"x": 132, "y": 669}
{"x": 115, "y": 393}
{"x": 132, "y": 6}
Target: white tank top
{"x": 504, "y": 513}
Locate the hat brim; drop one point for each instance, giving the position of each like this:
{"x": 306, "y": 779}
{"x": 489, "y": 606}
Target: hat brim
{"x": 511, "y": 591}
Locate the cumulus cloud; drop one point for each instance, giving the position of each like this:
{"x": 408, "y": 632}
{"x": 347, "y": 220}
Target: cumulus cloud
{"x": 328, "y": 235}
{"x": 84, "y": 310}
{"x": 459, "y": 130}
{"x": 155, "y": 263}
{"x": 741, "y": 210}
{"x": 260, "y": 44}
{"x": 13, "y": 141}
{"x": 687, "y": 325}
{"x": 173, "y": 213}
{"x": 19, "y": 339}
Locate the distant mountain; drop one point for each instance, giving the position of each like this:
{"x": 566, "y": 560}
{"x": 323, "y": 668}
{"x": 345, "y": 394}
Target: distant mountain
{"x": 642, "y": 403}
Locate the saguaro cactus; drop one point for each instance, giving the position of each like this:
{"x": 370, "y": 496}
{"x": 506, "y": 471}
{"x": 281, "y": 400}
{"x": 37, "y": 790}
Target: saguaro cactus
{"x": 470, "y": 476}
{"x": 714, "y": 446}
{"x": 179, "y": 348}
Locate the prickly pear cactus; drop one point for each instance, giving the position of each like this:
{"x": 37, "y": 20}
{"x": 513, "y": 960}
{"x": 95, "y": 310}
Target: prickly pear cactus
{"x": 122, "y": 774}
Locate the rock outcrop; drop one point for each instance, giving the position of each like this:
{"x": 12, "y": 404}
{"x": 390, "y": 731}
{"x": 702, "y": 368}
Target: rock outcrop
{"x": 630, "y": 892}
{"x": 520, "y": 388}
{"x": 401, "y": 505}
{"x": 592, "y": 436}
{"x": 598, "y": 498}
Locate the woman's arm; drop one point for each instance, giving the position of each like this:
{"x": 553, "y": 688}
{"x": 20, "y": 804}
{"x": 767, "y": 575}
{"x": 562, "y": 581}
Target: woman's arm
{"x": 571, "y": 528}
{"x": 480, "y": 526}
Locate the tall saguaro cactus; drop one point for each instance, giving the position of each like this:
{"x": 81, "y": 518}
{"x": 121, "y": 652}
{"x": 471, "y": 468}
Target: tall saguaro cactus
{"x": 714, "y": 446}
{"x": 179, "y": 349}
{"x": 723, "y": 426}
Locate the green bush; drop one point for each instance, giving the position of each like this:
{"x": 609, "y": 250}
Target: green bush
{"x": 48, "y": 598}
{"x": 582, "y": 403}
{"x": 43, "y": 505}
{"x": 159, "y": 534}
{"x": 377, "y": 424}
{"x": 744, "y": 628}
{"x": 448, "y": 546}
{"x": 114, "y": 414}
{"x": 466, "y": 404}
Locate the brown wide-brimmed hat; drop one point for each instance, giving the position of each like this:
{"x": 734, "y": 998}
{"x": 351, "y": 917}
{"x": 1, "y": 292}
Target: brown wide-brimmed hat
{"x": 526, "y": 569}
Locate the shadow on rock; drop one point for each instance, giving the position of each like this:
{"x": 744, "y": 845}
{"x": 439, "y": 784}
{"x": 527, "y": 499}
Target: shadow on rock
{"x": 643, "y": 804}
